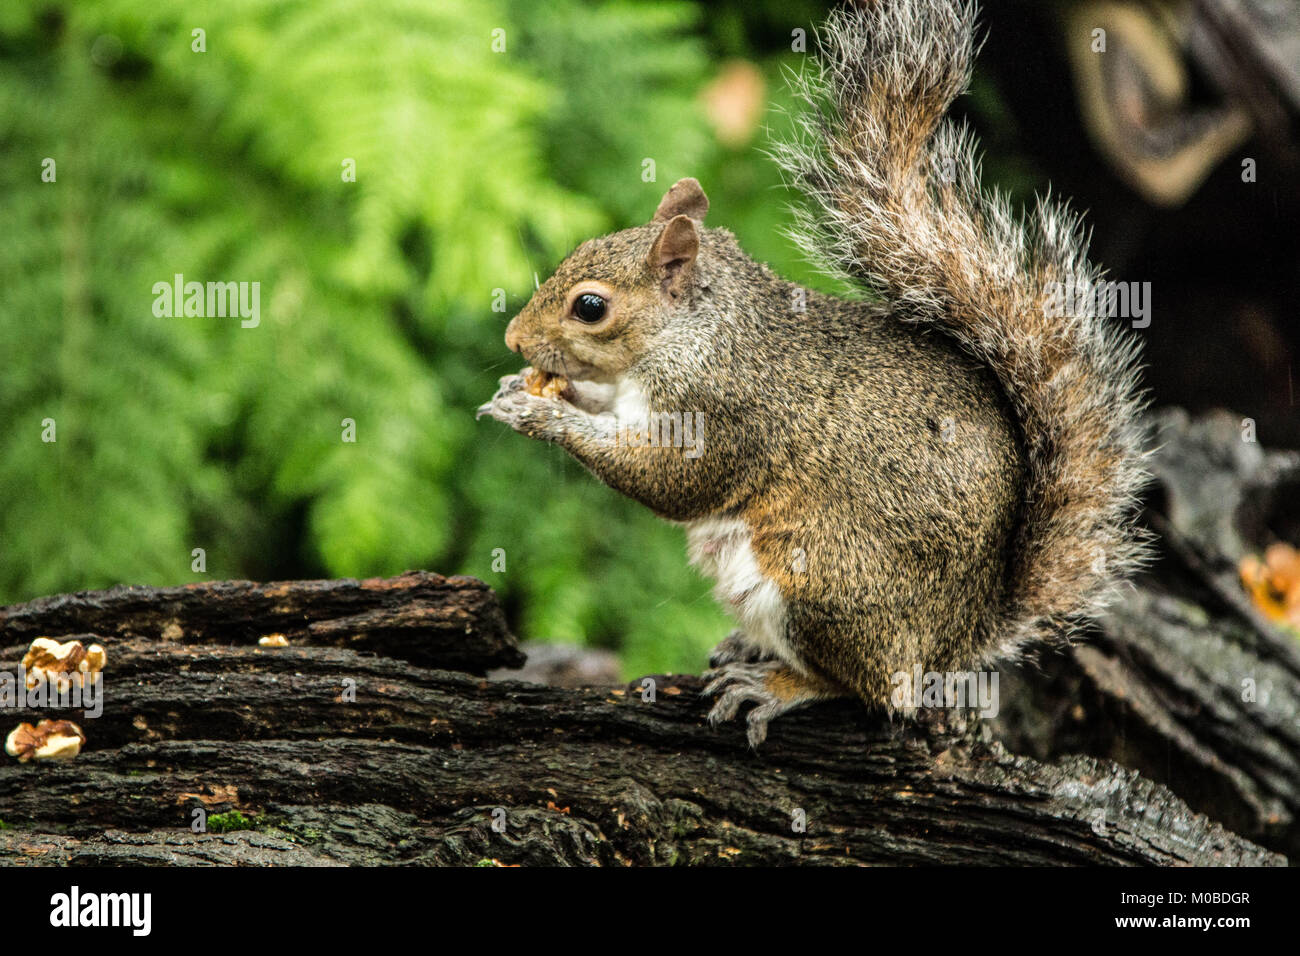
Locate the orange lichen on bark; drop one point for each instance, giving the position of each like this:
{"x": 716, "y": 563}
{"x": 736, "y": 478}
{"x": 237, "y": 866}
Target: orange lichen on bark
{"x": 1274, "y": 583}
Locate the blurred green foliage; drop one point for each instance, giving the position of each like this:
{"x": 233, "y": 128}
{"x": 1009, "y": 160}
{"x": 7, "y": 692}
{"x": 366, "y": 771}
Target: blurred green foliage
{"x": 475, "y": 171}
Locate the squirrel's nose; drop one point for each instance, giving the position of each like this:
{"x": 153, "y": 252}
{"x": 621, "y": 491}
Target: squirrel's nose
{"x": 513, "y": 338}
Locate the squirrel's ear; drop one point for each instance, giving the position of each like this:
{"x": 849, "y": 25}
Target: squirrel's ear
{"x": 673, "y": 253}
{"x": 686, "y": 198}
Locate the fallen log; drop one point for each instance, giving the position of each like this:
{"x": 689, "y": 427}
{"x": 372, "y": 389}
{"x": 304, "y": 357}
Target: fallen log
{"x": 437, "y": 766}
{"x": 431, "y": 759}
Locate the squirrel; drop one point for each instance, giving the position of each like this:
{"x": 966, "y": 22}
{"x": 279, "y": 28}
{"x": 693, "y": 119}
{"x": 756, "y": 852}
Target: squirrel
{"x": 943, "y": 476}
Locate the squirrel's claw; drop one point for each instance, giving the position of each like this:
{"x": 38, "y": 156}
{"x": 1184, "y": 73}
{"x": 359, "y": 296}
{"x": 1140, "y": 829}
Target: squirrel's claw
{"x": 738, "y": 683}
{"x": 773, "y": 686}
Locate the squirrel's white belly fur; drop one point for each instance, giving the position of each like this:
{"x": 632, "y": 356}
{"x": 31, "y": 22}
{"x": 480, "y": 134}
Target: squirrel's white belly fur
{"x": 720, "y": 548}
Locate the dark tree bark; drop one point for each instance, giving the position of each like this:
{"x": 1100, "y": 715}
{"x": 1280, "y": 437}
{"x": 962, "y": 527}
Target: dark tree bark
{"x": 452, "y": 622}
{"x": 371, "y": 739}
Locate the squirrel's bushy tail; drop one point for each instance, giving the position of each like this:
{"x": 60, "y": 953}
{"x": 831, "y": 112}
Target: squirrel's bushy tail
{"x": 895, "y": 201}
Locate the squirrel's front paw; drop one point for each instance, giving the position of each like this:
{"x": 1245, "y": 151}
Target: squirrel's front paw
{"x": 736, "y": 647}
{"x": 532, "y": 415}
{"x": 774, "y": 688}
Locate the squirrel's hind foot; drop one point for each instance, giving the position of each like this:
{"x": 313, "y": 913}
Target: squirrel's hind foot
{"x": 771, "y": 685}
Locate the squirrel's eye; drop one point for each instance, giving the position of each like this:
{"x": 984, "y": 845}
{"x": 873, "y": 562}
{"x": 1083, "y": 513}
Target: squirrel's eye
{"x": 589, "y": 307}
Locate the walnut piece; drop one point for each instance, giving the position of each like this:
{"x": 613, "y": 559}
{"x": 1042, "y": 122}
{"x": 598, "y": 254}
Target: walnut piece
{"x": 63, "y": 665}
{"x": 273, "y": 640}
{"x": 545, "y": 384}
{"x": 48, "y": 740}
